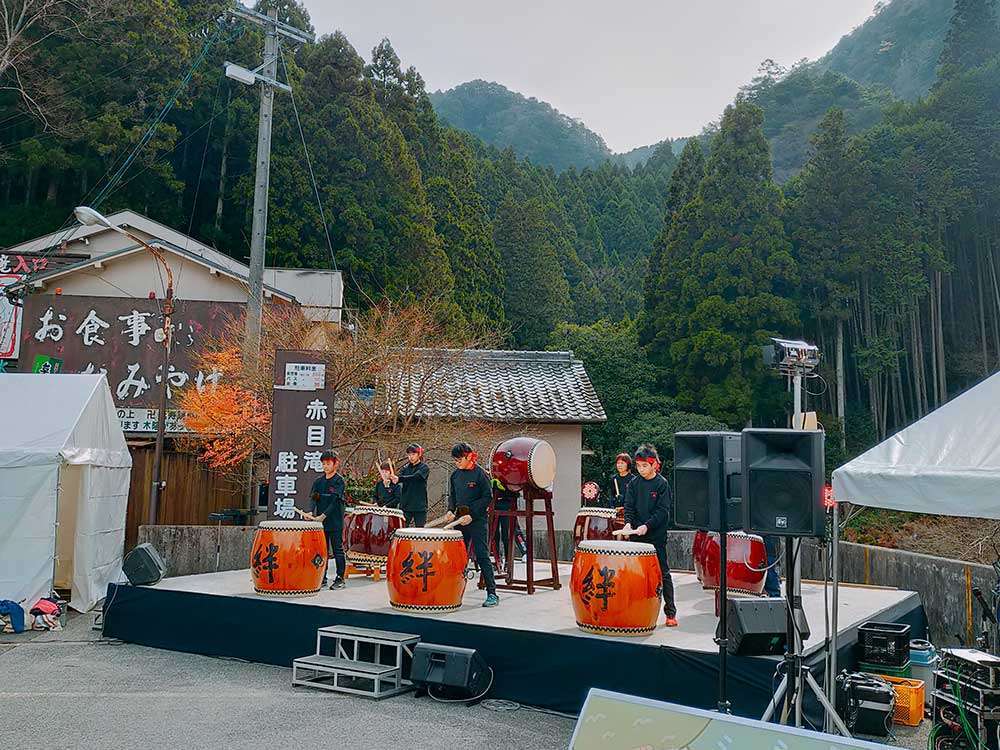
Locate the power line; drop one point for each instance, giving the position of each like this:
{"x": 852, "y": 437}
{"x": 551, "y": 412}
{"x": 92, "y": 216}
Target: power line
{"x": 305, "y": 149}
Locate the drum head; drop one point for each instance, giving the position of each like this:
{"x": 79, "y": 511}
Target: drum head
{"x": 377, "y": 510}
{"x": 290, "y": 525}
{"x": 425, "y": 533}
{"x": 615, "y": 547}
{"x": 542, "y": 465}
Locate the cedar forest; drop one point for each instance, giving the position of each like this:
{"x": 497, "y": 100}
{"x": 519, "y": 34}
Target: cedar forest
{"x": 665, "y": 277}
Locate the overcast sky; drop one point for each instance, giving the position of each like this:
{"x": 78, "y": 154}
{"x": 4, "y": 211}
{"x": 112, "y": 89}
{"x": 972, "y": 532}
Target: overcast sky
{"x": 635, "y": 71}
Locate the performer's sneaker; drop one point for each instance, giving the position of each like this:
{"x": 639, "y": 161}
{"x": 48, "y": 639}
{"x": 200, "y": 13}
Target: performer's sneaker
{"x": 338, "y": 583}
{"x": 492, "y": 600}
{"x": 670, "y": 622}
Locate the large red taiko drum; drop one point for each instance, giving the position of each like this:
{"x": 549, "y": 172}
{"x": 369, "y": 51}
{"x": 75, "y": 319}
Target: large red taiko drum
{"x": 616, "y": 587}
{"x": 288, "y": 558}
{"x": 368, "y": 532}
{"x": 524, "y": 462}
{"x": 426, "y": 570}
{"x": 746, "y": 564}
{"x": 597, "y": 523}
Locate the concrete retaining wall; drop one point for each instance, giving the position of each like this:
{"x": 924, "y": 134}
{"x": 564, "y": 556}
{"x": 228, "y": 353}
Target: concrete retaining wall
{"x": 945, "y": 586}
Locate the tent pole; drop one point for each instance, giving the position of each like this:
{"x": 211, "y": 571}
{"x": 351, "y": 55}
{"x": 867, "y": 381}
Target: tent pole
{"x": 832, "y": 677}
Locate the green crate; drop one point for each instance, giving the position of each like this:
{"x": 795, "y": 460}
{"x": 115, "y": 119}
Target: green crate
{"x": 903, "y": 671}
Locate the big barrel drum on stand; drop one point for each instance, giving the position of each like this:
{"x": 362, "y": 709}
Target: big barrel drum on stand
{"x": 426, "y": 570}
{"x": 526, "y": 465}
{"x": 616, "y": 587}
{"x": 368, "y": 532}
{"x": 746, "y": 564}
{"x": 288, "y": 558}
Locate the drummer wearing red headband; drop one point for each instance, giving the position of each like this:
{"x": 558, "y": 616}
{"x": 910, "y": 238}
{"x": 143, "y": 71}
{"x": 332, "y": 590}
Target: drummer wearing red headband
{"x": 648, "y": 509}
{"x": 470, "y": 489}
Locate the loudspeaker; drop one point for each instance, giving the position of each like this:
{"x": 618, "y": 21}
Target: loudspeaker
{"x": 757, "y": 627}
{"x": 706, "y": 469}
{"x": 451, "y": 666}
{"x": 783, "y": 482}
{"x": 143, "y": 565}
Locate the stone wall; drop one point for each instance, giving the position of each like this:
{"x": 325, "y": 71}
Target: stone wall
{"x": 187, "y": 550}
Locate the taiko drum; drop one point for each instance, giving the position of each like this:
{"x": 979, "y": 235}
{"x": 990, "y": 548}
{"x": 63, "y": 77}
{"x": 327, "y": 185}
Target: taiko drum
{"x": 597, "y": 523}
{"x": 288, "y": 558}
{"x": 426, "y": 570}
{"x": 524, "y": 462}
{"x": 616, "y": 587}
{"x": 368, "y": 533}
{"x": 746, "y": 564}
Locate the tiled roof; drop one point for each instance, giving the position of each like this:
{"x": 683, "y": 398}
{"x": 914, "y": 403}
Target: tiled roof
{"x": 512, "y": 386}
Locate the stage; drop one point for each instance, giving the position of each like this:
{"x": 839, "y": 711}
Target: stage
{"x": 539, "y": 656}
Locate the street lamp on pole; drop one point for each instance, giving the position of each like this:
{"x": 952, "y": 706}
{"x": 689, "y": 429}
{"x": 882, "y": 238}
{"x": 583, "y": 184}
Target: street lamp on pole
{"x": 92, "y": 218}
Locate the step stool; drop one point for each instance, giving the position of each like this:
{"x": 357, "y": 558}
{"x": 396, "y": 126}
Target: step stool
{"x": 344, "y": 671}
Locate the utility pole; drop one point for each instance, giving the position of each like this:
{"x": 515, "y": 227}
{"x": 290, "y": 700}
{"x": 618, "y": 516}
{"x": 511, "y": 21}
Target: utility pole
{"x": 267, "y": 75}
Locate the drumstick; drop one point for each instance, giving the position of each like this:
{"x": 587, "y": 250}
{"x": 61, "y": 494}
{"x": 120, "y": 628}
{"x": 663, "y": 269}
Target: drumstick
{"x": 301, "y": 512}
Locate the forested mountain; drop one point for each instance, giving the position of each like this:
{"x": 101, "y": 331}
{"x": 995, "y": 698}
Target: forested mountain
{"x": 666, "y": 277}
{"x": 897, "y": 48}
{"x": 535, "y": 130}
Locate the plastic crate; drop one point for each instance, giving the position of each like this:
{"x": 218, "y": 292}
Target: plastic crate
{"x": 884, "y": 643}
{"x": 909, "y": 710}
{"x": 904, "y": 671}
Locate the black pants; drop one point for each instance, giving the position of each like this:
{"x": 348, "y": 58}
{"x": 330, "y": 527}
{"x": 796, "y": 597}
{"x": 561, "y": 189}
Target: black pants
{"x": 333, "y": 527}
{"x": 669, "y": 608}
{"x": 476, "y": 532}
{"x": 415, "y": 517}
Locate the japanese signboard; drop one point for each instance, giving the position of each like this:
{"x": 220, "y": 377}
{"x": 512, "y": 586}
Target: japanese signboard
{"x": 123, "y": 338}
{"x": 14, "y": 269}
{"x": 301, "y": 420}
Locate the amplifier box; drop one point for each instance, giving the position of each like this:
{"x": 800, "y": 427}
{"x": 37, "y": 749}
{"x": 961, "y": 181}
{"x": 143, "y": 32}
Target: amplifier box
{"x": 865, "y": 702}
{"x": 970, "y": 666}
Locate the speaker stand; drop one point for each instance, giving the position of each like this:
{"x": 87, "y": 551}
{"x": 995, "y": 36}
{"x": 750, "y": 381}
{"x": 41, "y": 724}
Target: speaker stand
{"x": 722, "y": 638}
{"x": 797, "y": 676}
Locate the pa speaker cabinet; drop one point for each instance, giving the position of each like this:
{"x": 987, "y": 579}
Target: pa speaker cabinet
{"x": 783, "y": 482}
{"x": 451, "y": 666}
{"x": 706, "y": 469}
{"x": 143, "y": 565}
{"x": 757, "y": 627}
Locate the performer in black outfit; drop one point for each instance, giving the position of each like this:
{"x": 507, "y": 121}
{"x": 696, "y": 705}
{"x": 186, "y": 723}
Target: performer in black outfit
{"x": 648, "y": 511}
{"x": 470, "y": 488}
{"x": 328, "y": 507}
{"x": 387, "y": 492}
{"x": 506, "y": 500}
{"x": 413, "y": 481}
{"x": 618, "y": 482}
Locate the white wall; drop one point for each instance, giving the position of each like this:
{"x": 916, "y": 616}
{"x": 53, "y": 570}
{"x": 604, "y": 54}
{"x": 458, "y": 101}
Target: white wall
{"x": 136, "y": 275}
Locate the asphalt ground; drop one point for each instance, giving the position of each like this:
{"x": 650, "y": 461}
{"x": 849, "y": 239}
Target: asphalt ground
{"x": 72, "y": 689}
{"x": 69, "y": 689}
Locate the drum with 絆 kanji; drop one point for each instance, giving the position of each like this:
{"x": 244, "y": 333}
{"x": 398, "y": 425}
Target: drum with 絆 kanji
{"x": 596, "y": 523}
{"x": 368, "y": 532}
{"x": 524, "y": 463}
{"x": 746, "y": 562}
{"x": 426, "y": 570}
{"x": 616, "y": 587}
{"x": 288, "y": 558}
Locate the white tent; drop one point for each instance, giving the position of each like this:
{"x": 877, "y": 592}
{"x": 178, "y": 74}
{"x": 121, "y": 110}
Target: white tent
{"x": 947, "y": 463}
{"x": 64, "y": 478}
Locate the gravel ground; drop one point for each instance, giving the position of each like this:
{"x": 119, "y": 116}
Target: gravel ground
{"x": 71, "y": 689}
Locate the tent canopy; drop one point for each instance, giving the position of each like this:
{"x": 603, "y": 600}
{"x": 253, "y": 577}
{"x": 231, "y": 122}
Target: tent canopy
{"x": 64, "y": 478}
{"x": 947, "y": 463}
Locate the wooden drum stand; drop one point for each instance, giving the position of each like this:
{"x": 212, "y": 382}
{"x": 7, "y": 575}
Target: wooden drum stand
{"x": 528, "y": 583}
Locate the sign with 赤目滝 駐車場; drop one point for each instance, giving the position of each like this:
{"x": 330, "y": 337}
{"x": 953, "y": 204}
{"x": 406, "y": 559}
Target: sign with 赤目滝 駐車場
{"x": 124, "y": 339}
{"x": 301, "y": 423}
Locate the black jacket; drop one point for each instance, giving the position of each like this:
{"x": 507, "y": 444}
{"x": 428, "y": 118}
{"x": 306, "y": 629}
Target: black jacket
{"x": 649, "y": 502}
{"x": 471, "y": 488}
{"x": 617, "y": 486}
{"x": 413, "y": 483}
{"x": 387, "y": 496}
{"x": 328, "y": 499}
